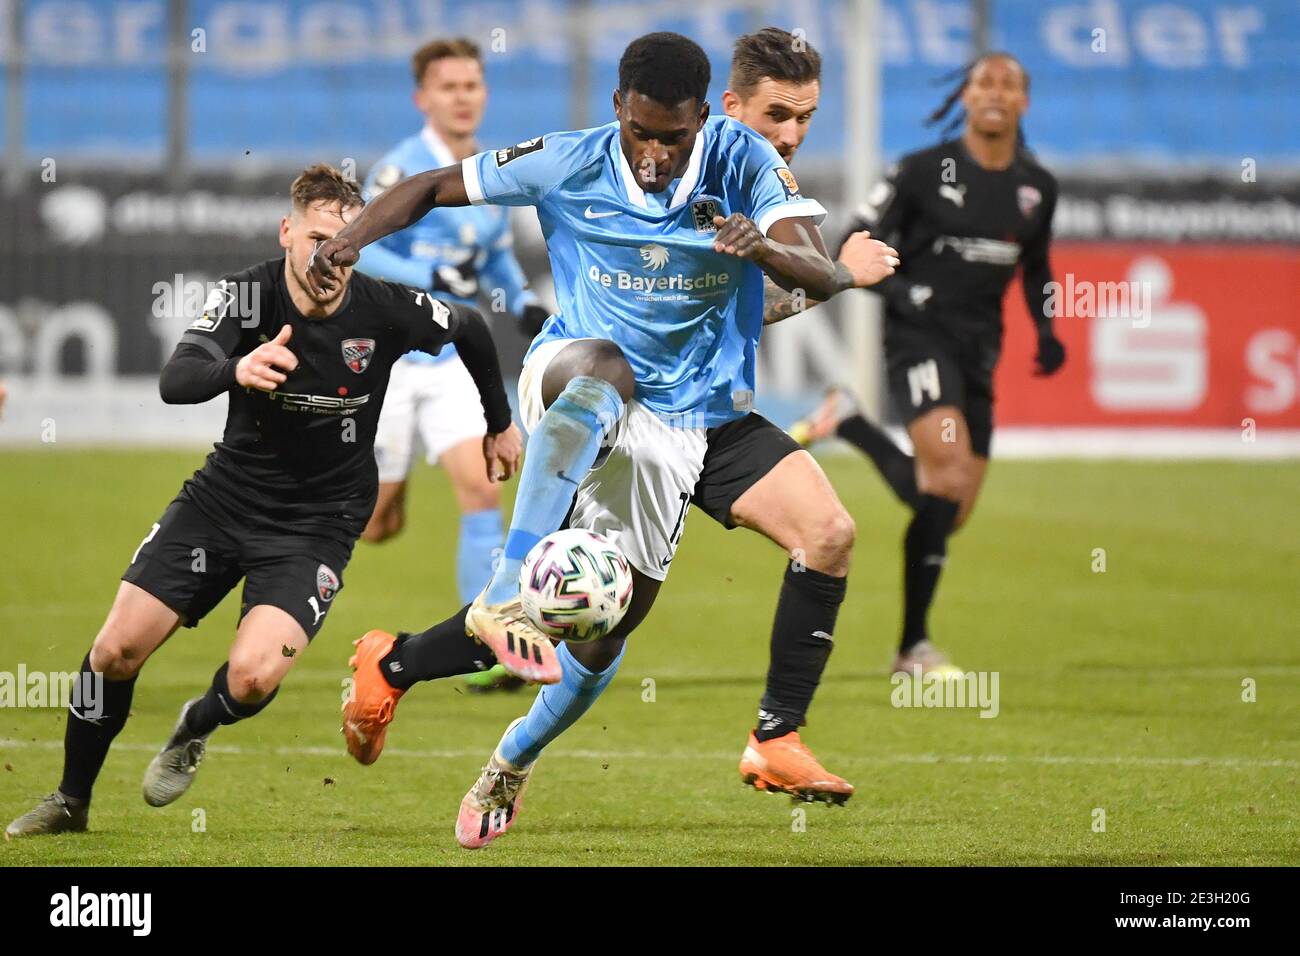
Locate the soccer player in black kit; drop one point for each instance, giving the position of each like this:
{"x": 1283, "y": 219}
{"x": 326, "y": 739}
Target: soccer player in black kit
{"x": 963, "y": 216}
{"x": 280, "y": 501}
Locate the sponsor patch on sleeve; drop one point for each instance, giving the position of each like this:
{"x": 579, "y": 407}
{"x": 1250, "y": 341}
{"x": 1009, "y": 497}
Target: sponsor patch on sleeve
{"x": 788, "y": 182}
{"x": 215, "y": 307}
{"x": 519, "y": 149}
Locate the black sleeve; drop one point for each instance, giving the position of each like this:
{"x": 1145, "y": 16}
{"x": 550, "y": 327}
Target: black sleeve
{"x": 1037, "y": 266}
{"x": 203, "y": 365}
{"x": 194, "y": 374}
{"x": 435, "y": 323}
{"x": 476, "y": 349}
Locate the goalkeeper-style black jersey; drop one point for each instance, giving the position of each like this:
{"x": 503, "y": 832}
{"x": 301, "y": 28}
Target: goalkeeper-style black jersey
{"x": 961, "y": 231}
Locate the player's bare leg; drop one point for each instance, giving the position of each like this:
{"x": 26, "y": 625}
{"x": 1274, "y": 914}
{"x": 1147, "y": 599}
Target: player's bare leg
{"x": 795, "y": 506}
{"x": 266, "y": 646}
{"x": 389, "y": 516}
{"x": 947, "y": 474}
{"x": 978, "y": 468}
{"x": 137, "y": 625}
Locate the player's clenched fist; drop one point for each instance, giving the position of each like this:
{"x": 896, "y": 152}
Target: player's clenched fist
{"x": 339, "y": 252}
{"x": 502, "y": 452}
{"x": 868, "y": 260}
{"x": 738, "y": 235}
{"x": 267, "y": 366}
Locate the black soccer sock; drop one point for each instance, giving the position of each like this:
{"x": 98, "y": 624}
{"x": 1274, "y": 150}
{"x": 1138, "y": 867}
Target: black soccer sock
{"x": 801, "y": 646}
{"x": 104, "y": 706}
{"x": 925, "y": 549}
{"x": 896, "y": 466}
{"x": 444, "y": 650}
{"x": 218, "y": 707}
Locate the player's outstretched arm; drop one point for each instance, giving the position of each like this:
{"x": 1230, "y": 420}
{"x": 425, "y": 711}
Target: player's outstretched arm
{"x": 868, "y": 260}
{"x": 393, "y": 210}
{"x": 792, "y": 254}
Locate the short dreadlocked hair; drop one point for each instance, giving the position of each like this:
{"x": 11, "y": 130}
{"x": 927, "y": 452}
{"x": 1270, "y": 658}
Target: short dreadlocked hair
{"x": 667, "y": 67}
{"x": 963, "y": 75}
{"x": 772, "y": 53}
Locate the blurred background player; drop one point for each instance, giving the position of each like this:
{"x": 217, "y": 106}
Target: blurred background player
{"x": 756, "y": 476}
{"x": 459, "y": 255}
{"x": 281, "y": 499}
{"x": 964, "y": 215}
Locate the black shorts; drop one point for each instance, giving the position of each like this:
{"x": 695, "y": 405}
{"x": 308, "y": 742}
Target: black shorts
{"x": 929, "y": 365}
{"x": 738, "y": 454}
{"x": 191, "y": 562}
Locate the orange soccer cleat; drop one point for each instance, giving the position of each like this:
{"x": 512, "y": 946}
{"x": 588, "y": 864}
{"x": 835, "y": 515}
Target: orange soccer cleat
{"x": 785, "y": 765}
{"x": 369, "y": 708}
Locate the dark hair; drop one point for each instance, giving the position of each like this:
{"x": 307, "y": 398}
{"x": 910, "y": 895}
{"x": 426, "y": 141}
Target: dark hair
{"x": 963, "y": 75}
{"x": 667, "y": 67}
{"x": 323, "y": 182}
{"x": 442, "y": 50}
{"x": 772, "y": 53}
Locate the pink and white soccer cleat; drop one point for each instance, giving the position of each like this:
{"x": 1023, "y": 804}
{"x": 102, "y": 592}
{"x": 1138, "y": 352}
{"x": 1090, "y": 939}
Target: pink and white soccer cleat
{"x": 492, "y": 805}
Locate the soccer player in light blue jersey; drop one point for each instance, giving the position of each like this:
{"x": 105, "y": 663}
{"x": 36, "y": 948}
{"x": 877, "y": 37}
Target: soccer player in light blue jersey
{"x": 660, "y": 227}
{"x": 459, "y": 254}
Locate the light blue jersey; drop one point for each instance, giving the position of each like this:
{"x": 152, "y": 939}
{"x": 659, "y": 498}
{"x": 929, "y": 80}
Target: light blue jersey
{"x": 474, "y": 241}
{"x": 639, "y": 268}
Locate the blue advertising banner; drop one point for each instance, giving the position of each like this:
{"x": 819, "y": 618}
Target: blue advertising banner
{"x": 1187, "y": 83}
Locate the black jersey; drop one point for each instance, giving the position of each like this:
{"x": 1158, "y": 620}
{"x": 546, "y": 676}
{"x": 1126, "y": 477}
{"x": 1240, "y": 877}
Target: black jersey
{"x": 301, "y": 458}
{"x": 961, "y": 231}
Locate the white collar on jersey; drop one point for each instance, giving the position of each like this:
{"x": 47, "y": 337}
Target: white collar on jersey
{"x": 684, "y": 186}
{"x": 441, "y": 154}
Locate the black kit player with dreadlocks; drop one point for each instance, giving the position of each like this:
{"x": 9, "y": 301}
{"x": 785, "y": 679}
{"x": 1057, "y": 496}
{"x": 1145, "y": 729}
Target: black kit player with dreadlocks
{"x": 963, "y": 215}
{"x": 280, "y": 501}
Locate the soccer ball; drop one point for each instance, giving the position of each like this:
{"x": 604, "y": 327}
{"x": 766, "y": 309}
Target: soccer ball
{"x": 575, "y": 585}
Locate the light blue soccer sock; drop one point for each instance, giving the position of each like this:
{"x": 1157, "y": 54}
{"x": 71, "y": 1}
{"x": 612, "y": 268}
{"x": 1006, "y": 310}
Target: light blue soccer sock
{"x": 480, "y": 535}
{"x": 557, "y": 707}
{"x": 561, "y": 450}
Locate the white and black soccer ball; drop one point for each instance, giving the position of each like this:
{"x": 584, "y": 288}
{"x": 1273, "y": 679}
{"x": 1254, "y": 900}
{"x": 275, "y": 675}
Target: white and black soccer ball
{"x": 575, "y": 585}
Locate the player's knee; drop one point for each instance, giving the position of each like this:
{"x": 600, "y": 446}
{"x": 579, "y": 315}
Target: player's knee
{"x": 831, "y": 541}
{"x": 251, "y": 679}
{"x": 839, "y": 532}
{"x": 951, "y": 477}
{"x": 113, "y": 655}
{"x": 604, "y": 360}
{"x": 478, "y": 494}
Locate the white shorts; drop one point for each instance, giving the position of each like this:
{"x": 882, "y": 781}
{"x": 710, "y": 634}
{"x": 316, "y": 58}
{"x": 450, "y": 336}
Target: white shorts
{"x": 639, "y": 494}
{"x": 438, "y": 401}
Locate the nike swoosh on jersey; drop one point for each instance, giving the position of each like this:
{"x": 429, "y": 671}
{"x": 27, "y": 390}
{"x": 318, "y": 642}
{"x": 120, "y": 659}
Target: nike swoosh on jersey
{"x": 588, "y": 214}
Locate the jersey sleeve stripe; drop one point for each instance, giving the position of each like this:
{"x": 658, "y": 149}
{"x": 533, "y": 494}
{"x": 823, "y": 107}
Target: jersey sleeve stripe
{"x": 205, "y": 343}
{"x": 469, "y": 170}
{"x": 791, "y": 210}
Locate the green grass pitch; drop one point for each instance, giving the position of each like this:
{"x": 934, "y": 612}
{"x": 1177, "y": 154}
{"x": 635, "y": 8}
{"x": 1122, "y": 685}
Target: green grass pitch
{"x": 1119, "y": 691}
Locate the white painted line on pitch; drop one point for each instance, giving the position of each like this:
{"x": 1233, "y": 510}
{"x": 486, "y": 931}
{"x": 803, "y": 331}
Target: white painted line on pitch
{"x": 1244, "y": 763}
